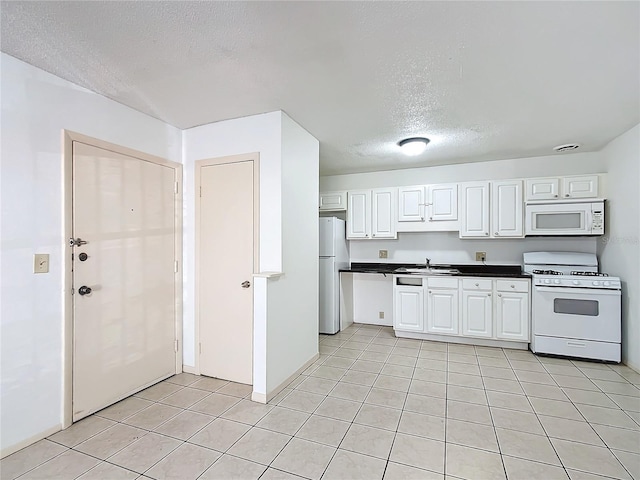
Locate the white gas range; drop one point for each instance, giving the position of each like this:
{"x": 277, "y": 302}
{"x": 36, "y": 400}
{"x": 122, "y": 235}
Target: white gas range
{"x": 575, "y": 310}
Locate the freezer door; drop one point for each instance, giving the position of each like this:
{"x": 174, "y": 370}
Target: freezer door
{"x": 327, "y": 237}
{"x": 329, "y": 318}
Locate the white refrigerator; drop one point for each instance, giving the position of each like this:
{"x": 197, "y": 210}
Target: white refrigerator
{"x": 334, "y": 255}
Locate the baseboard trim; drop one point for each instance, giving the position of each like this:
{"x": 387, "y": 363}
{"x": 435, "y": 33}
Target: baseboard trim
{"x": 289, "y": 379}
{"x": 25, "y": 443}
{"x": 189, "y": 369}
{"x": 258, "y": 397}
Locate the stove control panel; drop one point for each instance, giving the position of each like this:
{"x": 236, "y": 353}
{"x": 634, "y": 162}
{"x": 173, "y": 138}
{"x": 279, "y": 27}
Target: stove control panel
{"x": 611, "y": 283}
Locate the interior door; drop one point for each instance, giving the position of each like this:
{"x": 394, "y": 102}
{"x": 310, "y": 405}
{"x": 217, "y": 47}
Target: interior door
{"x": 225, "y": 264}
{"x": 124, "y": 302}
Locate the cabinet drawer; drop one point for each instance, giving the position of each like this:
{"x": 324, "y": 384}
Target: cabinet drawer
{"x": 512, "y": 286}
{"x": 476, "y": 284}
{"x": 442, "y": 282}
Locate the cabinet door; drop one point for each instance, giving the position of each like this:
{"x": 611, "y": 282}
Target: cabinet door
{"x": 585, "y": 186}
{"x": 333, "y": 201}
{"x": 408, "y": 308}
{"x": 443, "y": 202}
{"x": 411, "y": 204}
{"x": 442, "y": 311}
{"x": 512, "y": 315}
{"x": 506, "y": 209}
{"x": 542, "y": 188}
{"x": 359, "y": 214}
{"x": 474, "y": 217}
{"x": 383, "y": 220}
{"x": 477, "y": 317}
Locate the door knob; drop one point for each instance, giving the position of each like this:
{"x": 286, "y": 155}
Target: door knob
{"x": 245, "y": 284}
{"x": 76, "y": 242}
{"x": 84, "y": 290}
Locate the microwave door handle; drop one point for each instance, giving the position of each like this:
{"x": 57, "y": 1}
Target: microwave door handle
{"x": 588, "y": 221}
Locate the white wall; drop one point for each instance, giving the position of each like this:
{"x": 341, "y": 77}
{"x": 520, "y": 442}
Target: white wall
{"x": 36, "y": 107}
{"x": 292, "y": 328}
{"x": 620, "y": 247}
{"x": 567, "y": 164}
{"x": 258, "y": 133}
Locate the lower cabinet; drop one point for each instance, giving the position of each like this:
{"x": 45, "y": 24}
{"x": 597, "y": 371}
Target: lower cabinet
{"x": 442, "y": 311}
{"x": 477, "y": 314}
{"x": 408, "y": 308}
{"x": 494, "y": 309}
{"x": 512, "y": 316}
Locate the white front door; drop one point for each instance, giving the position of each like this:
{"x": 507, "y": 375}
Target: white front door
{"x": 225, "y": 266}
{"x": 124, "y": 302}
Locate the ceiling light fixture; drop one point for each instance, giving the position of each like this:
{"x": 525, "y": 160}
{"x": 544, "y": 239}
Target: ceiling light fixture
{"x": 413, "y": 146}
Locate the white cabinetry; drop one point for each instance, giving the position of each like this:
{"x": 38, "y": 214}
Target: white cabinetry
{"x": 332, "y": 201}
{"x": 424, "y": 208}
{"x": 474, "y": 215}
{"x": 408, "y": 308}
{"x": 512, "y": 310}
{"x": 491, "y": 209}
{"x": 507, "y": 209}
{"x": 585, "y": 186}
{"x": 477, "y": 308}
{"x": 442, "y": 306}
{"x": 371, "y": 214}
{"x": 554, "y": 188}
{"x": 359, "y": 214}
{"x": 411, "y": 204}
{"x": 443, "y": 202}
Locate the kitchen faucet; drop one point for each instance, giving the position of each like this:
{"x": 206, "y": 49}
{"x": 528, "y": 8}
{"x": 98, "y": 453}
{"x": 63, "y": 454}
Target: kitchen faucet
{"x": 428, "y": 263}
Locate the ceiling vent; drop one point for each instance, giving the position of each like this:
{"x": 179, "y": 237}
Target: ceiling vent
{"x": 566, "y": 148}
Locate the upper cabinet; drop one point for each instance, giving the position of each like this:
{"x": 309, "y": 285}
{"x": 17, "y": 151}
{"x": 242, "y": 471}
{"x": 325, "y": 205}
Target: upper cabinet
{"x": 491, "y": 209}
{"x": 424, "y": 208}
{"x": 474, "y": 215}
{"x": 443, "y": 202}
{"x": 585, "y": 186}
{"x": 556, "y": 188}
{"x": 371, "y": 214}
{"x": 332, "y": 201}
{"x": 506, "y": 209}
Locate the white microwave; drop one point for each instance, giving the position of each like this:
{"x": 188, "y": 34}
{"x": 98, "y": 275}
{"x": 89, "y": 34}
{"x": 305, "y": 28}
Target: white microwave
{"x": 564, "y": 218}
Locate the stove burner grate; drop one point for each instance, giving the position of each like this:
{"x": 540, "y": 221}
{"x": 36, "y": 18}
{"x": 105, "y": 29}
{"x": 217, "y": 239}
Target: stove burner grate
{"x": 547, "y": 272}
{"x": 589, "y": 274}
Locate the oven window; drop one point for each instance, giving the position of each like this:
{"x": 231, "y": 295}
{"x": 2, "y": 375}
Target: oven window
{"x": 558, "y": 221}
{"x": 572, "y": 306}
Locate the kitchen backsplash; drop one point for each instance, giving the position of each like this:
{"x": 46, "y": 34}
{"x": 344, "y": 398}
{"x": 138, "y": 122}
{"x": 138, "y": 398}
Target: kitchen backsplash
{"x": 447, "y": 247}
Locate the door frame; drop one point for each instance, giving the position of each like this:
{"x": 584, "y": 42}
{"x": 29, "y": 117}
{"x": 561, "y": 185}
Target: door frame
{"x": 198, "y": 166}
{"x": 68, "y": 137}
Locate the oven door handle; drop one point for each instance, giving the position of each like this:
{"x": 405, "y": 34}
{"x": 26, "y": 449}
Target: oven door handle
{"x": 578, "y": 291}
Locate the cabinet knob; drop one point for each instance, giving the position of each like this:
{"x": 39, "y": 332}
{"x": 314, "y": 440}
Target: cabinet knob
{"x": 430, "y": 292}
{"x": 486, "y": 233}
{"x": 513, "y": 286}
{"x": 430, "y": 219}
{"x": 488, "y": 294}
{"x": 499, "y": 294}
{"x": 556, "y": 196}
{"x": 496, "y": 234}
{"x": 477, "y": 284}
{"x": 567, "y": 195}
{"x": 373, "y": 235}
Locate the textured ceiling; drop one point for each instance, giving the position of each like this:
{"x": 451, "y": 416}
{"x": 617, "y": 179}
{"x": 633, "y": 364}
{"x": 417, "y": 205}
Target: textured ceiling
{"x": 483, "y": 80}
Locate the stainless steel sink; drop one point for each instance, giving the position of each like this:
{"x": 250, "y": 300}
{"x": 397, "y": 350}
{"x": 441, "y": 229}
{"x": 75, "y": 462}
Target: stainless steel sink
{"x": 429, "y": 271}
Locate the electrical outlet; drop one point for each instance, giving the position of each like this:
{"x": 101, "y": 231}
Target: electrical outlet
{"x": 382, "y": 254}
{"x": 481, "y": 256}
{"x": 41, "y": 263}
{"x": 381, "y": 315}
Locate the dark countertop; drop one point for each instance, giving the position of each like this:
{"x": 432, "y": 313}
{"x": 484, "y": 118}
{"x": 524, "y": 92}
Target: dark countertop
{"x": 466, "y": 270}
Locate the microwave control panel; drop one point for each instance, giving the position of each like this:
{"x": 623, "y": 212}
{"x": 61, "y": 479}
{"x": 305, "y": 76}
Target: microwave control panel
{"x": 598, "y": 221}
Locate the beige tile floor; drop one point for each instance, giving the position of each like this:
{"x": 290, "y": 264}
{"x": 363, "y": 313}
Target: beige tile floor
{"x": 371, "y": 407}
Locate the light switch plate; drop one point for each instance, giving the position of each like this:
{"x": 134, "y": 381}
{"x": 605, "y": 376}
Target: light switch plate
{"x": 382, "y": 253}
{"x": 41, "y": 263}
